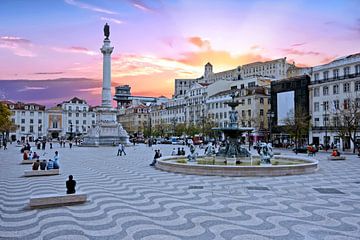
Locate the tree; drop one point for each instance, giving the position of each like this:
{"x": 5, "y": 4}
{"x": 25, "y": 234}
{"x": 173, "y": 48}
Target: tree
{"x": 207, "y": 128}
{"x": 6, "y": 125}
{"x": 346, "y": 119}
{"x": 180, "y": 129}
{"x": 192, "y": 129}
{"x": 297, "y": 124}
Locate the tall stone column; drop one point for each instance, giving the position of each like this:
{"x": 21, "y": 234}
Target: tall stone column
{"x": 106, "y": 50}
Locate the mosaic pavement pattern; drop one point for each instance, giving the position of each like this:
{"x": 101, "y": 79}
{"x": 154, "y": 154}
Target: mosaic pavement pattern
{"x": 130, "y": 200}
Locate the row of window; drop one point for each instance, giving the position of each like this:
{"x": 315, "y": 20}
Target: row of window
{"x": 257, "y": 69}
{"x": 31, "y": 107}
{"x": 84, "y": 122}
{"x": 335, "y": 105}
{"x": 31, "y": 128}
{"x": 31, "y": 113}
{"x": 77, "y": 108}
{"x": 76, "y": 129}
{"x": 31, "y": 121}
{"x": 335, "y": 73}
{"x": 336, "y": 89}
{"x": 77, "y": 114}
{"x": 218, "y": 115}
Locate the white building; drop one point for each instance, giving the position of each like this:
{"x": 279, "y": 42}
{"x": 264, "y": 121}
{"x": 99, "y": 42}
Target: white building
{"x": 333, "y": 86}
{"x": 274, "y": 69}
{"x": 29, "y": 119}
{"x": 77, "y": 117}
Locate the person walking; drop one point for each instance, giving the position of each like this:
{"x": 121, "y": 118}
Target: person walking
{"x": 121, "y": 149}
{"x": 5, "y": 144}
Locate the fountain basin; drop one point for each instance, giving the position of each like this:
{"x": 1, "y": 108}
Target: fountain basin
{"x": 299, "y": 165}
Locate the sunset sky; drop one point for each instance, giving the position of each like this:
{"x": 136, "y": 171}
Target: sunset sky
{"x": 157, "y": 41}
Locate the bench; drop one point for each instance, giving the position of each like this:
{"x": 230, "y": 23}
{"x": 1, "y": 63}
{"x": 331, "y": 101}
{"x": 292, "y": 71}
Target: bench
{"x": 57, "y": 200}
{"x": 28, "y": 161}
{"x": 34, "y": 173}
{"x": 333, "y": 158}
{"x": 31, "y": 161}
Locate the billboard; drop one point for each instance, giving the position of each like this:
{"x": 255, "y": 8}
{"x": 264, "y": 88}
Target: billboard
{"x": 285, "y": 106}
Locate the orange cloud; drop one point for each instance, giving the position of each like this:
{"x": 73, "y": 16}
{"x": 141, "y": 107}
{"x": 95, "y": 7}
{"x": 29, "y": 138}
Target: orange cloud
{"x": 199, "y": 42}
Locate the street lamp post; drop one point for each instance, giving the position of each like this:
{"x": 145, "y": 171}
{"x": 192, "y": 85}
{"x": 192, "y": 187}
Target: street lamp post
{"x": 174, "y": 124}
{"x": 326, "y": 132}
{"x": 71, "y": 131}
{"x": 270, "y": 116}
{"x": 325, "y": 118}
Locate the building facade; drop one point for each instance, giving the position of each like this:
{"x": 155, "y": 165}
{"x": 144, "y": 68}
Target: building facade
{"x": 77, "y": 117}
{"x": 29, "y": 119}
{"x": 334, "y": 91}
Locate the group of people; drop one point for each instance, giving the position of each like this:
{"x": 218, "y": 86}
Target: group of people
{"x": 32, "y": 155}
{"x": 311, "y": 150}
{"x": 121, "y": 149}
{"x": 179, "y": 152}
{"x": 41, "y": 144}
{"x": 26, "y": 147}
{"x": 47, "y": 165}
{"x": 335, "y": 153}
{"x": 157, "y": 155}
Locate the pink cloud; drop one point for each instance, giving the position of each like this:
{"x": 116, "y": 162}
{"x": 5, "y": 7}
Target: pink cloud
{"x": 75, "y": 49}
{"x": 298, "y": 44}
{"x": 141, "y": 5}
{"x": 291, "y": 51}
{"x": 19, "y": 46}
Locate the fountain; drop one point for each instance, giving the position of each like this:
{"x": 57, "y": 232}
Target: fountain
{"x": 234, "y": 160}
{"x": 232, "y": 149}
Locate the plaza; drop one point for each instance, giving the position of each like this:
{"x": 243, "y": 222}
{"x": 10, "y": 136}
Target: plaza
{"x": 128, "y": 199}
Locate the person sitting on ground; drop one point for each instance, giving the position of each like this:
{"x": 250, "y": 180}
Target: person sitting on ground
{"x": 50, "y": 165}
{"x": 70, "y": 185}
{"x": 173, "y": 153}
{"x": 56, "y": 160}
{"x": 36, "y": 165}
{"x": 183, "y": 151}
{"x": 35, "y": 156}
{"x": 157, "y": 155}
{"x": 25, "y": 156}
{"x": 30, "y": 156}
{"x": 43, "y": 165}
{"x": 335, "y": 153}
{"x": 178, "y": 152}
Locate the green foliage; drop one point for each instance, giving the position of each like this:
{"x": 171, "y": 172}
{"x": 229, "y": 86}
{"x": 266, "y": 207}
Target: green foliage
{"x": 180, "y": 129}
{"x": 6, "y": 125}
{"x": 181, "y": 161}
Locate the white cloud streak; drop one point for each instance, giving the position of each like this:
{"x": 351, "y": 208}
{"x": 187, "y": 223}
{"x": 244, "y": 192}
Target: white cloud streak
{"x": 89, "y": 7}
{"x": 114, "y": 20}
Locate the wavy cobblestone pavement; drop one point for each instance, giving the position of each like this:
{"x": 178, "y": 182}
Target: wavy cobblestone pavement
{"x": 130, "y": 200}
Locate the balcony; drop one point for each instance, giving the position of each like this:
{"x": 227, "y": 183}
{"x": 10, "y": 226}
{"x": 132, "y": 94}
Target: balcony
{"x": 349, "y": 76}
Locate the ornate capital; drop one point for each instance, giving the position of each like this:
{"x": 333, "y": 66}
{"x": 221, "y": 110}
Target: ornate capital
{"x": 106, "y": 50}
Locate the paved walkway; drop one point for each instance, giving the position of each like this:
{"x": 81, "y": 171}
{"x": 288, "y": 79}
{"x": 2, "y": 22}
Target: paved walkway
{"x": 130, "y": 200}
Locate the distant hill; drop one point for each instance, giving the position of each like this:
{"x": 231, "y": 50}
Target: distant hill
{"x": 51, "y": 91}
